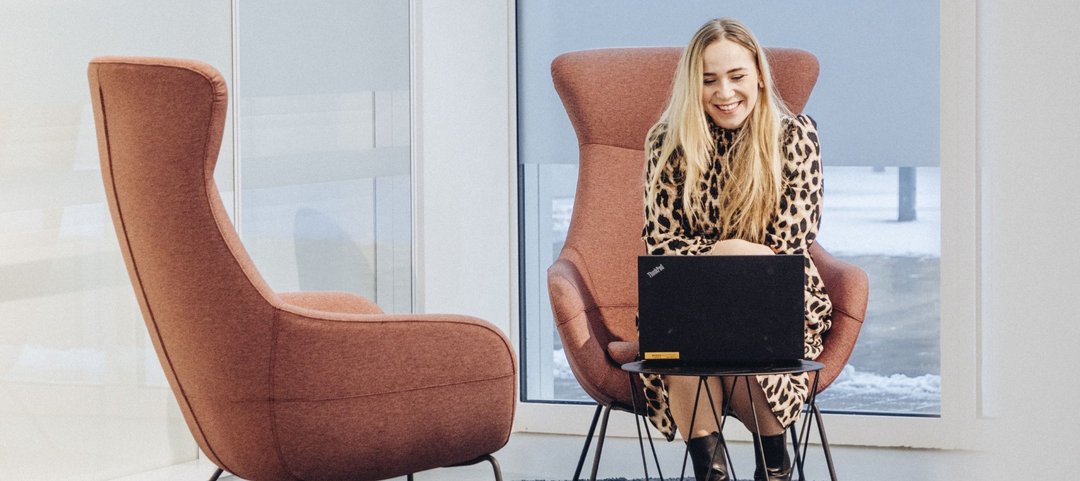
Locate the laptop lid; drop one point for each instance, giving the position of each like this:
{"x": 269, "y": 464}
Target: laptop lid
{"x": 721, "y": 309}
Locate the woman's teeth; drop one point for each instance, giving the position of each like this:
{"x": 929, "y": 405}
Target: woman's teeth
{"x": 728, "y": 107}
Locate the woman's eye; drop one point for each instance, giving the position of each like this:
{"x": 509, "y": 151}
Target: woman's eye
{"x": 709, "y": 81}
{"x": 737, "y": 77}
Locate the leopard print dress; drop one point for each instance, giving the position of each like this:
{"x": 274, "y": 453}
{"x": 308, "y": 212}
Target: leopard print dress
{"x": 791, "y": 231}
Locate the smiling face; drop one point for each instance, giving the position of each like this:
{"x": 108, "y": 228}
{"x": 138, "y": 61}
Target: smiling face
{"x": 731, "y": 83}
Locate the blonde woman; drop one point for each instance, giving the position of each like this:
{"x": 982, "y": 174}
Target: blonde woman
{"x": 730, "y": 171}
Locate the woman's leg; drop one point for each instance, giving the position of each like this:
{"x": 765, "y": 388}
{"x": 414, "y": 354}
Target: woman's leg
{"x": 681, "y": 391}
{"x": 756, "y": 416}
{"x": 771, "y": 459}
{"x": 738, "y": 247}
{"x": 741, "y": 405}
{"x": 740, "y": 400}
{"x": 704, "y": 443}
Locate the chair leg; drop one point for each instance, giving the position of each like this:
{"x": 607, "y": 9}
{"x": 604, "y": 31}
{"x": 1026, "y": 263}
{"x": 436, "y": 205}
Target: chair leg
{"x": 656, "y": 459}
{"x": 495, "y": 466}
{"x": 798, "y": 455}
{"x": 600, "y": 443}
{"x": 216, "y": 474}
{"x": 409, "y": 477}
{"x": 487, "y": 457}
{"x": 588, "y": 441}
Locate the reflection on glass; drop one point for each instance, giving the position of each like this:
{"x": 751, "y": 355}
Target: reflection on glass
{"x": 324, "y": 128}
{"x": 82, "y": 395}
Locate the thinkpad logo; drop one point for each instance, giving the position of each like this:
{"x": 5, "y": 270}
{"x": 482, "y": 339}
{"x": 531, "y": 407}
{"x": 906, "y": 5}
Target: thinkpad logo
{"x": 656, "y": 270}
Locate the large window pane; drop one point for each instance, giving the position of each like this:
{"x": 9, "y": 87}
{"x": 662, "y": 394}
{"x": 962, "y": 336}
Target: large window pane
{"x": 324, "y": 146}
{"x": 327, "y": 177}
{"x": 896, "y": 364}
{"x": 81, "y": 393}
{"x": 877, "y": 107}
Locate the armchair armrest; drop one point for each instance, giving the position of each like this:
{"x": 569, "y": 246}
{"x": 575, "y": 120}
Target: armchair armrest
{"x": 847, "y": 284}
{"x": 848, "y": 287}
{"x": 321, "y": 355}
{"x": 432, "y": 389}
{"x": 572, "y": 305}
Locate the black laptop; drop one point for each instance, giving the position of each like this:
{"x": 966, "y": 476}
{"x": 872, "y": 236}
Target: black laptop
{"x": 721, "y": 310}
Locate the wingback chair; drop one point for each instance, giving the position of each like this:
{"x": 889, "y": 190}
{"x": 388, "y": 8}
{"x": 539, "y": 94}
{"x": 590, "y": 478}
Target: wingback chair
{"x": 613, "y": 97}
{"x": 277, "y": 386}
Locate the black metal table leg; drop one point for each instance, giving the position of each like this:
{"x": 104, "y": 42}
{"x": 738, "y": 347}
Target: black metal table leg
{"x": 656, "y": 459}
{"x": 798, "y": 457}
{"x": 690, "y": 430}
{"x": 641, "y": 442}
{"x": 645, "y": 422}
{"x": 824, "y": 443}
{"x": 702, "y": 372}
{"x": 813, "y": 416}
{"x": 719, "y": 420}
{"x": 803, "y": 439}
{"x": 757, "y": 426}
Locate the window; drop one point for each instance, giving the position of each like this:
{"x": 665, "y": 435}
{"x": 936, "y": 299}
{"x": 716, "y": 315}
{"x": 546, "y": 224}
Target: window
{"x": 79, "y": 379}
{"x": 882, "y": 174}
{"x": 325, "y": 202}
{"x": 324, "y": 119}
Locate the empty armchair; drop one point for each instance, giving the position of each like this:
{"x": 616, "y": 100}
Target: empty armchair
{"x": 613, "y": 97}
{"x": 277, "y": 386}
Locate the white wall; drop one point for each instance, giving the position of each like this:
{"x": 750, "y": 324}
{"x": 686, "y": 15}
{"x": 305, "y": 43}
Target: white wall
{"x": 465, "y": 178}
{"x": 1028, "y": 131}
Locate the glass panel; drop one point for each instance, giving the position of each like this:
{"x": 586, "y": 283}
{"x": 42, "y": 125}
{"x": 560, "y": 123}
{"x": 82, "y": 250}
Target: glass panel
{"x": 324, "y": 121}
{"x": 896, "y": 364}
{"x": 881, "y": 203}
{"x": 81, "y": 392}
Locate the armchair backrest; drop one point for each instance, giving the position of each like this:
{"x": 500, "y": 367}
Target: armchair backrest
{"x": 613, "y": 97}
{"x": 207, "y": 309}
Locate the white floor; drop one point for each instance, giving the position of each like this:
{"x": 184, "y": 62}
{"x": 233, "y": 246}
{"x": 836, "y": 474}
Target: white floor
{"x": 553, "y": 457}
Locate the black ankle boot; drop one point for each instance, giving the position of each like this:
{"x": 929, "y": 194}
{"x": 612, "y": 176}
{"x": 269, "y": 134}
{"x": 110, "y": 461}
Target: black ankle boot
{"x": 701, "y": 450}
{"x": 777, "y": 463}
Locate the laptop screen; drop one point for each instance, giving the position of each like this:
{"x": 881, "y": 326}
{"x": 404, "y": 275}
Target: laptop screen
{"x": 721, "y": 309}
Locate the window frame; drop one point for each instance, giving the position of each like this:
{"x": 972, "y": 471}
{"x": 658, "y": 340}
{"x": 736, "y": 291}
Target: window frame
{"x": 956, "y": 427}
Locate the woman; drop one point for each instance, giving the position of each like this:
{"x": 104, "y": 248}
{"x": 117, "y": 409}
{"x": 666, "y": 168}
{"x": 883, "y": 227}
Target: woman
{"x": 730, "y": 171}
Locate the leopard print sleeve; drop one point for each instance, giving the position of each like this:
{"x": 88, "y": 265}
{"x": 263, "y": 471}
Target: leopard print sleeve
{"x": 795, "y": 227}
{"x": 666, "y": 231}
{"x": 799, "y": 216}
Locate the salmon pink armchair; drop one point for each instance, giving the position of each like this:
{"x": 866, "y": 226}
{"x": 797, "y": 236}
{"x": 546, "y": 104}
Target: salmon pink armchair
{"x": 277, "y": 386}
{"x": 613, "y": 97}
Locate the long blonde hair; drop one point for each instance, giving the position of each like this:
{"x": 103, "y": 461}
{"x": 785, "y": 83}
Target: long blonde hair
{"x": 751, "y": 193}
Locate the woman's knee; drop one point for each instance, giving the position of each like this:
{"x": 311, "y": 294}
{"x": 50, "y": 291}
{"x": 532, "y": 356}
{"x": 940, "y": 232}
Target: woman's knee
{"x": 739, "y": 247}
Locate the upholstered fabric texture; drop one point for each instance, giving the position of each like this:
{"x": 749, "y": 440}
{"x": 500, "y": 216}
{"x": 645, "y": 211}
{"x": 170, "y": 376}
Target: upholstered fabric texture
{"x": 613, "y": 97}
{"x": 312, "y": 386}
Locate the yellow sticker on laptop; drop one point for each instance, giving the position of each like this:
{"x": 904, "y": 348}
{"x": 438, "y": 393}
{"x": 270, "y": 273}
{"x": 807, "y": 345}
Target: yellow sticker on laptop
{"x": 649, "y": 356}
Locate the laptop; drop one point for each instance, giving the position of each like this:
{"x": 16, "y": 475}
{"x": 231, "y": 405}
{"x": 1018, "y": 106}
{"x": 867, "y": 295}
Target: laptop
{"x": 721, "y": 310}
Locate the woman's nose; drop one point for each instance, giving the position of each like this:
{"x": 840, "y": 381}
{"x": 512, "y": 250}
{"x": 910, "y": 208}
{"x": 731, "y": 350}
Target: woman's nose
{"x": 726, "y": 90}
